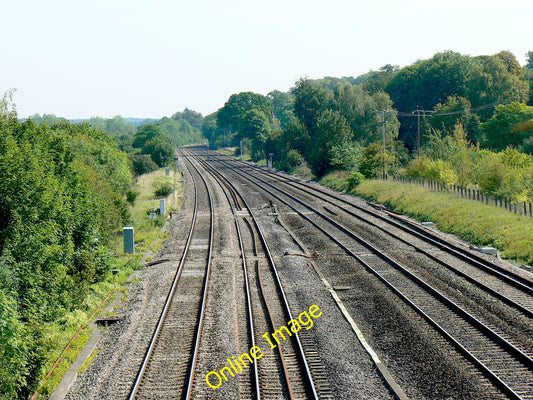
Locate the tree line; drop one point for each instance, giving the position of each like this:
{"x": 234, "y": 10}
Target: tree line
{"x": 149, "y": 143}
{"x": 61, "y": 198}
{"x": 330, "y": 124}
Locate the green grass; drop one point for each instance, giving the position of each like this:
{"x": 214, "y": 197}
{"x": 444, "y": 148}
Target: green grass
{"x": 88, "y": 361}
{"x": 59, "y": 333}
{"x": 475, "y": 222}
{"x": 336, "y": 180}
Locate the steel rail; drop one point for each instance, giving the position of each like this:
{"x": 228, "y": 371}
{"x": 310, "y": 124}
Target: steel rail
{"x": 190, "y": 383}
{"x": 234, "y": 195}
{"x": 512, "y": 303}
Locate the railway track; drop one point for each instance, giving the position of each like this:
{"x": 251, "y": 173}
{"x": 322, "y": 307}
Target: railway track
{"x": 282, "y": 372}
{"x": 167, "y": 368}
{"x": 509, "y": 368}
{"x": 511, "y": 288}
{"x": 173, "y": 365}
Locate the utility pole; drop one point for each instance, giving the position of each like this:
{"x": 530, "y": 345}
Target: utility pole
{"x": 417, "y": 111}
{"x": 418, "y": 132}
{"x": 384, "y": 144}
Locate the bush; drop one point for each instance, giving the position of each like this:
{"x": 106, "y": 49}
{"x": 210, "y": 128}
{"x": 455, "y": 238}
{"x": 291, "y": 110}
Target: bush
{"x": 131, "y": 196}
{"x": 142, "y": 163}
{"x": 163, "y": 190}
{"x": 439, "y": 170}
{"x": 355, "y": 179}
{"x": 291, "y": 160}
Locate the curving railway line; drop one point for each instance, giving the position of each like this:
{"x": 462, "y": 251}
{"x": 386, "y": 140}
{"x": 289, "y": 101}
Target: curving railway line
{"x": 491, "y": 346}
{"x": 282, "y": 373}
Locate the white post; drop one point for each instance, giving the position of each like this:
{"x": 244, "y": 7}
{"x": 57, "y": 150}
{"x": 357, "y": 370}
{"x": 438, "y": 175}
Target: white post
{"x": 162, "y": 207}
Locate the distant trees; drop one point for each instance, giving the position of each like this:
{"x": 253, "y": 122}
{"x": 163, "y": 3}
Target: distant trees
{"x": 480, "y": 81}
{"x": 511, "y": 125}
{"x": 322, "y": 123}
{"x": 151, "y": 141}
{"x": 335, "y": 123}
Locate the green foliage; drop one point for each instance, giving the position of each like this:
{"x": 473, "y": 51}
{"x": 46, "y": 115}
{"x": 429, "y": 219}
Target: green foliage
{"x": 178, "y": 130}
{"x": 511, "y": 125}
{"x": 309, "y": 101}
{"x": 7, "y": 107}
{"x": 289, "y": 160}
{"x": 131, "y": 196}
{"x": 446, "y": 147}
{"x": 456, "y": 110}
{"x": 163, "y": 190}
{"x": 283, "y": 104}
{"x": 450, "y": 160}
{"x": 331, "y": 133}
{"x": 359, "y": 108}
{"x": 372, "y": 160}
{"x": 193, "y": 118}
{"x": 479, "y": 81}
{"x": 355, "y": 179}
{"x": 142, "y": 163}
{"x": 232, "y": 115}
{"x": 436, "y": 170}
{"x": 13, "y": 350}
{"x": 153, "y": 141}
{"x": 46, "y": 119}
{"x": 61, "y": 187}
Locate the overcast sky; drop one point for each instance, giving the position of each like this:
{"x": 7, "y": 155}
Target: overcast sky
{"x": 140, "y": 58}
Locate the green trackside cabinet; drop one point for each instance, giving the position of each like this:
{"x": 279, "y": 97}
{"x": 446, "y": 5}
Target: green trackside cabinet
{"x": 128, "y": 239}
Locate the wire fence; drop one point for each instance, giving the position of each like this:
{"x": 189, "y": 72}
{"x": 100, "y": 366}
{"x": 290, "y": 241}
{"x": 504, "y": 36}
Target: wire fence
{"x": 519, "y": 208}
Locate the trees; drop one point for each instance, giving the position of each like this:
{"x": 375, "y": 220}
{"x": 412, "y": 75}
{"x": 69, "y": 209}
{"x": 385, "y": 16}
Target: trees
{"x": 151, "y": 140}
{"x": 331, "y": 135}
{"x": 528, "y": 75}
{"x": 61, "y": 186}
{"x": 456, "y": 110}
{"x": 231, "y": 116}
{"x": 310, "y": 100}
{"x": 481, "y": 81}
{"x": 510, "y": 126}
{"x": 283, "y": 103}
{"x": 193, "y": 118}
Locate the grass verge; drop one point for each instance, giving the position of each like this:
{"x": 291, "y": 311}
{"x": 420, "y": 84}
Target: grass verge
{"x": 475, "y": 222}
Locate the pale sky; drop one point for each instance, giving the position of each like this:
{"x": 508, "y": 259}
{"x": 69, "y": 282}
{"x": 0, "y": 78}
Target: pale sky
{"x": 140, "y": 58}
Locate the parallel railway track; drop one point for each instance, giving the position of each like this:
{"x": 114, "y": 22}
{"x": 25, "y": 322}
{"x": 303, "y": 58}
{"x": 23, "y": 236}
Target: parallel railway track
{"x": 285, "y": 371}
{"x": 508, "y": 367}
{"x": 169, "y": 369}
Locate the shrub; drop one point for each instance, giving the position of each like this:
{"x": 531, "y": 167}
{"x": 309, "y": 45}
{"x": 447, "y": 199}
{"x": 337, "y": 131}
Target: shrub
{"x": 143, "y": 163}
{"x": 291, "y": 160}
{"x": 131, "y": 196}
{"x": 163, "y": 190}
{"x": 355, "y": 179}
